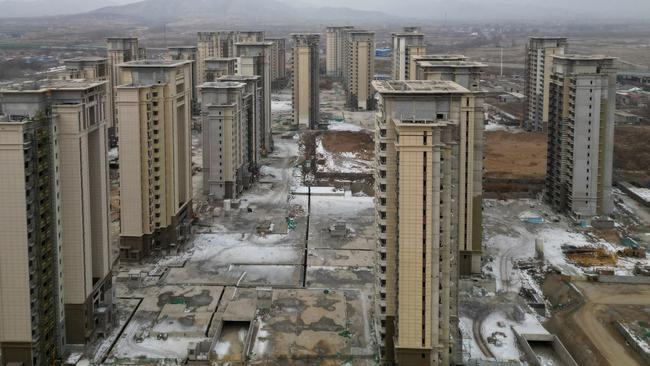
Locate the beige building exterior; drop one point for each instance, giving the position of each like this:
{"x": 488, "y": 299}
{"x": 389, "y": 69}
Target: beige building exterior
{"x": 434, "y": 58}
{"x": 220, "y": 44}
{"x": 359, "y": 69}
{"x": 335, "y": 51}
{"x": 582, "y": 99}
{"x": 254, "y": 59}
{"x": 154, "y": 100}
{"x": 53, "y": 138}
{"x": 186, "y": 53}
{"x": 119, "y": 50}
{"x": 88, "y": 68}
{"x": 539, "y": 69}
{"x": 305, "y": 80}
{"x": 227, "y": 137}
{"x": 424, "y": 170}
{"x": 278, "y": 62}
{"x": 218, "y": 67}
{"x": 466, "y": 73}
{"x": 406, "y": 45}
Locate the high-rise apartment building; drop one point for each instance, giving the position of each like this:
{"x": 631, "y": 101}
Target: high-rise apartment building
{"x": 228, "y": 137}
{"x": 406, "y": 45}
{"x": 255, "y": 60}
{"x": 278, "y": 61}
{"x": 218, "y": 67}
{"x": 539, "y": 68}
{"x": 434, "y": 58}
{"x": 582, "y": 105}
{"x": 55, "y": 271}
{"x": 335, "y": 51}
{"x": 120, "y": 50}
{"x": 425, "y": 166}
{"x": 220, "y": 44}
{"x": 305, "y": 80}
{"x": 468, "y": 75}
{"x": 359, "y": 68}
{"x": 154, "y": 101}
{"x": 186, "y": 53}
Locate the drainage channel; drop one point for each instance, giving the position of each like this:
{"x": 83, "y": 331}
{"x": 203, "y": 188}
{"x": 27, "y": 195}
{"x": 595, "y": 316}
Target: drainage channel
{"x": 126, "y": 323}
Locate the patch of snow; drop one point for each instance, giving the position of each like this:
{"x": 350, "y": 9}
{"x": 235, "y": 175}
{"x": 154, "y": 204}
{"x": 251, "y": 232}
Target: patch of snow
{"x": 344, "y": 126}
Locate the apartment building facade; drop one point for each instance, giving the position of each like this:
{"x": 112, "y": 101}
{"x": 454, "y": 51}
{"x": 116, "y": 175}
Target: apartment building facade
{"x": 187, "y": 53}
{"x": 154, "y": 100}
{"x": 218, "y": 67}
{"x": 278, "y": 62}
{"x": 582, "y": 107}
{"x": 254, "y": 59}
{"x": 434, "y": 58}
{"x": 335, "y": 50}
{"x": 406, "y": 45}
{"x": 424, "y": 160}
{"x": 221, "y": 44}
{"x": 88, "y": 68}
{"x": 55, "y": 143}
{"x": 359, "y": 69}
{"x": 305, "y": 80}
{"x": 119, "y": 50}
{"x": 538, "y": 72}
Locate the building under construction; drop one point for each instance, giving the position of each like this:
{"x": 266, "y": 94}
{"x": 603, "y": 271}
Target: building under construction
{"x": 305, "y": 80}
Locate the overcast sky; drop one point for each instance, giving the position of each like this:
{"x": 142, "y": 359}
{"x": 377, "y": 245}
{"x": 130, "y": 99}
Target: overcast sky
{"x": 438, "y": 9}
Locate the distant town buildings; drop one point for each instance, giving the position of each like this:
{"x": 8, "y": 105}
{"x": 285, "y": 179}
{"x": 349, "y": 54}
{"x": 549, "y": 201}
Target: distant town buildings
{"x": 582, "y": 105}
{"x": 56, "y": 263}
{"x": 538, "y": 71}
{"x": 425, "y": 179}
{"x": 154, "y": 101}
{"x": 305, "y": 80}
{"x": 406, "y": 45}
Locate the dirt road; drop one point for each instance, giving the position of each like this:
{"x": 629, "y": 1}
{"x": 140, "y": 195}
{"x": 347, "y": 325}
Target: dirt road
{"x": 589, "y": 318}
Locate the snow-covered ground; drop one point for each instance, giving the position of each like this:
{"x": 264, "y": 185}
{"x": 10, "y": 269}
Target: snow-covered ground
{"x": 346, "y": 162}
{"x": 344, "y": 126}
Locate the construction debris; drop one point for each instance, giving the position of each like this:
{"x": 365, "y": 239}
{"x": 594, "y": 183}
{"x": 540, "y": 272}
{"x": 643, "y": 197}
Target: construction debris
{"x": 589, "y": 256}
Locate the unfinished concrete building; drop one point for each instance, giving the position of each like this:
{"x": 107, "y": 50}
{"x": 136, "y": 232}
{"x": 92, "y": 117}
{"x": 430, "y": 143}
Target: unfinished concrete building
{"x": 539, "y": 69}
{"x": 466, "y": 73}
{"x": 435, "y": 58}
{"x": 255, "y": 60}
{"x": 120, "y": 50}
{"x": 227, "y": 137}
{"x": 305, "y": 80}
{"x": 154, "y": 100}
{"x": 88, "y": 68}
{"x": 220, "y": 44}
{"x": 186, "y": 53}
{"x": 218, "y": 67}
{"x": 278, "y": 62}
{"x": 582, "y": 104}
{"x": 335, "y": 51}
{"x": 406, "y": 45}
{"x": 359, "y": 69}
{"x": 425, "y": 167}
{"x": 56, "y": 265}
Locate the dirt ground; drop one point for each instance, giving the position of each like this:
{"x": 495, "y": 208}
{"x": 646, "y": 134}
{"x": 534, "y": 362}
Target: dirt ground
{"x": 584, "y": 324}
{"x": 631, "y": 154}
{"x": 347, "y": 141}
{"x": 515, "y": 155}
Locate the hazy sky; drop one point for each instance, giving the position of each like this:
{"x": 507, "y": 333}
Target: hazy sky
{"x": 438, "y": 9}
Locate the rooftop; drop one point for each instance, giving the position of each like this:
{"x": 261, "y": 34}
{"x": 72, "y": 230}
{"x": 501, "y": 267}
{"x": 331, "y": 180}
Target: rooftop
{"x": 41, "y": 86}
{"x": 222, "y": 85}
{"x": 154, "y": 63}
{"x": 417, "y": 87}
{"x": 440, "y": 57}
{"x": 454, "y": 63}
{"x": 181, "y": 47}
{"x": 576, "y": 57}
{"x": 85, "y": 59}
{"x": 221, "y": 59}
{"x": 263, "y": 43}
{"x": 549, "y": 38}
{"x": 239, "y": 77}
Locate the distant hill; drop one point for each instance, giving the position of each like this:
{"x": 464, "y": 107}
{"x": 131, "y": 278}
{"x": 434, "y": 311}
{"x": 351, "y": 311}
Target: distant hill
{"x": 39, "y": 8}
{"x": 229, "y": 10}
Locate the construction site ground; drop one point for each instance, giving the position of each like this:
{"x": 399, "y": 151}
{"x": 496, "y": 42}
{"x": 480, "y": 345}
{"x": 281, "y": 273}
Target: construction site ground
{"x": 515, "y": 155}
{"x": 321, "y": 306}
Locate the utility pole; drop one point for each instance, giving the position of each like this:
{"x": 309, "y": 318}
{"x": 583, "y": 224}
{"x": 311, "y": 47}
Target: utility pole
{"x": 502, "y": 62}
